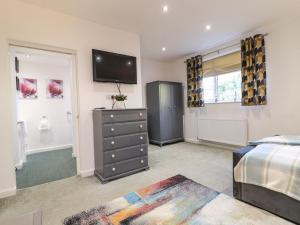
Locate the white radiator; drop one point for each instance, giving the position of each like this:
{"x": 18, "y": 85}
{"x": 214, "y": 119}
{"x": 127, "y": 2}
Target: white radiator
{"x": 227, "y": 131}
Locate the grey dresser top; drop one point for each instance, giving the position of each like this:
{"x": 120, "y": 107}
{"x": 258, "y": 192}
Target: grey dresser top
{"x": 120, "y": 109}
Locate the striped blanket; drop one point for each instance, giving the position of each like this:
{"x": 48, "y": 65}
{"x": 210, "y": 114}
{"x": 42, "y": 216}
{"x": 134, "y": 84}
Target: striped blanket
{"x": 273, "y": 166}
{"x": 279, "y": 139}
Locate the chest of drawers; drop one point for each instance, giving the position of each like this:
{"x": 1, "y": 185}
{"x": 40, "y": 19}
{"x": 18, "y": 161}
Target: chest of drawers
{"x": 120, "y": 142}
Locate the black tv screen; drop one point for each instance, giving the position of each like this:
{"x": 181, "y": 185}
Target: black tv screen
{"x": 113, "y": 67}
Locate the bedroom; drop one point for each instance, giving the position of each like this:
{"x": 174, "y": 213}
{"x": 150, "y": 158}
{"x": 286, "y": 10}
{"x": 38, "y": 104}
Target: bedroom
{"x": 162, "y": 39}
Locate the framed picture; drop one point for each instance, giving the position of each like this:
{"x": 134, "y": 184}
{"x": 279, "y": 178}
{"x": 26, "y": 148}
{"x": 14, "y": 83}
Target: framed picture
{"x": 28, "y": 88}
{"x": 55, "y": 89}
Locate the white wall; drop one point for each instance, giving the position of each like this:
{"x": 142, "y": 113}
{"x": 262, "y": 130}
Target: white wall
{"x": 152, "y": 71}
{"x": 24, "y": 22}
{"x": 55, "y": 110}
{"x": 281, "y": 114}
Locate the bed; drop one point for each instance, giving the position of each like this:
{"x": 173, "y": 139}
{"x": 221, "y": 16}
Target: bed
{"x": 272, "y": 201}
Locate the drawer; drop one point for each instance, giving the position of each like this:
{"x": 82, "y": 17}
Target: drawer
{"x": 114, "y": 116}
{"x": 116, "y": 129}
{"x": 112, "y": 143}
{"x": 125, "y": 154}
{"x": 124, "y": 166}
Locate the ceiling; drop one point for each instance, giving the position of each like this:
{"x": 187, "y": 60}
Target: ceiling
{"x": 182, "y": 29}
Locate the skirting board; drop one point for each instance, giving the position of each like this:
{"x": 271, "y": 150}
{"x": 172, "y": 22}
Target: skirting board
{"x": 213, "y": 144}
{"x": 8, "y": 192}
{"x": 87, "y": 173}
{"x": 38, "y": 150}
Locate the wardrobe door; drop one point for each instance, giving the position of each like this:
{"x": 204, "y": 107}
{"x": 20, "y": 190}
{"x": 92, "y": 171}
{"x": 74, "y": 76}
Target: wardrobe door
{"x": 166, "y": 118}
{"x": 152, "y": 94}
{"x": 177, "y": 111}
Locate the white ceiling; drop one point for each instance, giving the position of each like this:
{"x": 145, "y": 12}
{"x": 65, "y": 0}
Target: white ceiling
{"x": 182, "y": 29}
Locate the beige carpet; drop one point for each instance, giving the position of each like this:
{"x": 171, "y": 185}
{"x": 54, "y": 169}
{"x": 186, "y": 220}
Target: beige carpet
{"x": 208, "y": 166}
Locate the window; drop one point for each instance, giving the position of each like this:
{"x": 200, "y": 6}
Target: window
{"x": 222, "y": 88}
{"x": 222, "y": 78}
{"x": 209, "y": 85}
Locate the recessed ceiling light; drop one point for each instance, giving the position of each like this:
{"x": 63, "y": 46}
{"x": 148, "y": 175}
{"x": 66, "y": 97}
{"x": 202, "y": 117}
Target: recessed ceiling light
{"x": 165, "y": 8}
{"x": 164, "y": 49}
{"x": 208, "y": 27}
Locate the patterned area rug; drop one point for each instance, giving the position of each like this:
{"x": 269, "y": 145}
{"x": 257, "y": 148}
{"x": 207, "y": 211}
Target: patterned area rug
{"x": 177, "y": 200}
{"x": 170, "y": 201}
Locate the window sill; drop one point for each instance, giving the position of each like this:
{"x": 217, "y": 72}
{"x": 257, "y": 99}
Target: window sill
{"x": 220, "y": 103}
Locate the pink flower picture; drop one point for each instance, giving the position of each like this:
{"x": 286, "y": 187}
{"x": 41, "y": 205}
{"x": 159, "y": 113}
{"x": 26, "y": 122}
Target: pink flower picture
{"x": 28, "y": 88}
{"x": 55, "y": 89}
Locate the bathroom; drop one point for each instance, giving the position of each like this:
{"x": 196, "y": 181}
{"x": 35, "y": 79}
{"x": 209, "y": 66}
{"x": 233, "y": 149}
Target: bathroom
{"x": 44, "y": 114}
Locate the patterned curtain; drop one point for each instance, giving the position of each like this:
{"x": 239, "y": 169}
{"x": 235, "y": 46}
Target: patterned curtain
{"x": 194, "y": 82}
{"x": 253, "y": 71}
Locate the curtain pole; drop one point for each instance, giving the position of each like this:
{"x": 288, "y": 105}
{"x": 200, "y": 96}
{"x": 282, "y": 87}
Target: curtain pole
{"x": 221, "y": 49}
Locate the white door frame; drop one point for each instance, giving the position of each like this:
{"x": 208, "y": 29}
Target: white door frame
{"x": 74, "y": 90}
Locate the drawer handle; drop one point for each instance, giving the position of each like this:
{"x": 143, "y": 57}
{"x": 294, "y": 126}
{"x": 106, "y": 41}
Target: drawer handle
{"x": 141, "y": 137}
{"x": 141, "y": 114}
{"x": 112, "y": 143}
{"x": 113, "y": 155}
{"x": 142, "y": 150}
{"x": 141, "y": 126}
{"x": 142, "y": 161}
{"x": 113, "y": 169}
{"x": 112, "y": 129}
{"x": 111, "y": 115}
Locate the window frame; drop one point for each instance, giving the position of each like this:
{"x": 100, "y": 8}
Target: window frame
{"x": 216, "y": 91}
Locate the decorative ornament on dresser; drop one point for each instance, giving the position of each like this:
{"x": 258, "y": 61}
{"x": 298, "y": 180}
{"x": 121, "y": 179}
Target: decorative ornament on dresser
{"x": 119, "y": 100}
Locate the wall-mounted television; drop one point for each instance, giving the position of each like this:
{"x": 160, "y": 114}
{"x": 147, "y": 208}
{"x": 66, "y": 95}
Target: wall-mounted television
{"x": 113, "y": 67}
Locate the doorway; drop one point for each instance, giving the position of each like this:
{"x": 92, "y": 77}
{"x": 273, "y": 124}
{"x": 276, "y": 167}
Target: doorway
{"x": 45, "y": 123}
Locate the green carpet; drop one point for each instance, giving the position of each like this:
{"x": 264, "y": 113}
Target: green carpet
{"x": 45, "y": 167}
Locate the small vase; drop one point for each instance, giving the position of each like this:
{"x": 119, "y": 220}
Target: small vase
{"x": 120, "y": 105}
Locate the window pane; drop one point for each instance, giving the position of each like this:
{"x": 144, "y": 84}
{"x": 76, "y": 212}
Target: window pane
{"x": 209, "y": 89}
{"x": 229, "y": 87}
